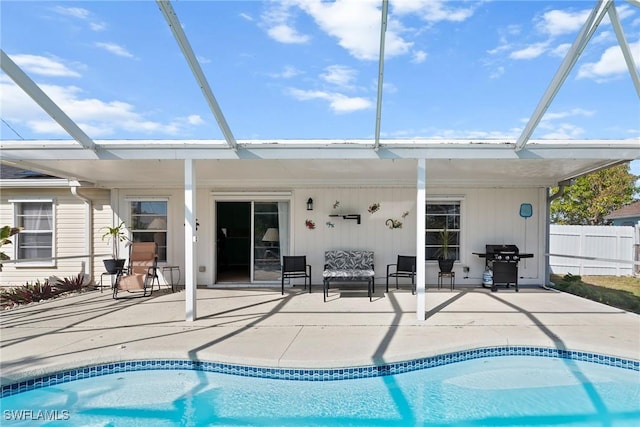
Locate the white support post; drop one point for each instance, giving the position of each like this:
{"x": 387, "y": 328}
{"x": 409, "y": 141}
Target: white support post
{"x": 190, "y": 239}
{"x": 420, "y": 239}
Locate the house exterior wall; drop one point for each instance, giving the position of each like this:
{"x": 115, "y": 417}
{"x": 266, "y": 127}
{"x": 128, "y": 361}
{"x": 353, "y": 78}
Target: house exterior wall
{"x": 70, "y": 233}
{"x": 489, "y": 216}
{"x": 626, "y": 222}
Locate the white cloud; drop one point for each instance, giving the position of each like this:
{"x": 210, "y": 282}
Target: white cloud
{"x": 203, "y": 60}
{"x": 355, "y": 24}
{"x": 603, "y": 37}
{"x": 453, "y": 134}
{"x": 278, "y": 21}
{"x": 115, "y": 49}
{"x": 81, "y": 14}
{"x": 561, "y": 131}
{"x": 497, "y": 72}
{"x": 339, "y": 75}
{"x": 246, "y": 16}
{"x": 611, "y": 64}
{"x": 97, "y": 26}
{"x": 75, "y": 12}
{"x": 529, "y": 52}
{"x": 561, "y": 50}
{"x": 433, "y": 10}
{"x": 96, "y": 117}
{"x": 558, "y": 22}
{"x": 195, "y": 119}
{"x": 554, "y": 125}
{"x": 569, "y": 113}
{"x": 286, "y": 34}
{"x": 338, "y": 102}
{"x": 419, "y": 57}
{"x": 288, "y": 72}
{"x": 44, "y": 66}
{"x": 387, "y": 87}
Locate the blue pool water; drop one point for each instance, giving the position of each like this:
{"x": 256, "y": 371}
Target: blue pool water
{"x": 492, "y": 391}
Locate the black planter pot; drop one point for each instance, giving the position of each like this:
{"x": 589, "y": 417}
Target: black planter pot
{"x": 113, "y": 266}
{"x": 446, "y": 265}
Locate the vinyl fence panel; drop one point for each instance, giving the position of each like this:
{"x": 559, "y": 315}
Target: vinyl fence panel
{"x": 592, "y": 250}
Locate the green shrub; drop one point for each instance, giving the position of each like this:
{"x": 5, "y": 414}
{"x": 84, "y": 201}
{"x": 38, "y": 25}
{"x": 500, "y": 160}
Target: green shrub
{"x": 39, "y": 291}
{"x": 69, "y": 284}
{"x": 30, "y": 292}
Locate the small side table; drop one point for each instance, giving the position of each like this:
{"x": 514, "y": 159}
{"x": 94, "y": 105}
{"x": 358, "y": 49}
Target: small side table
{"x": 106, "y": 273}
{"x": 450, "y": 274}
{"x": 171, "y": 269}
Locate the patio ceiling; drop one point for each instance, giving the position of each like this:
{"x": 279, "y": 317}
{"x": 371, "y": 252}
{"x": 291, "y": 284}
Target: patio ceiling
{"x": 278, "y": 173}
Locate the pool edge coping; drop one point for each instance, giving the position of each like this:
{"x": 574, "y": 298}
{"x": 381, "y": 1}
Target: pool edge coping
{"x": 309, "y": 374}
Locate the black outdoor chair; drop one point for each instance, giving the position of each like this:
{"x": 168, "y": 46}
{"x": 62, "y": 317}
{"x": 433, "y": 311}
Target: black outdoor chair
{"x": 295, "y": 267}
{"x": 404, "y": 267}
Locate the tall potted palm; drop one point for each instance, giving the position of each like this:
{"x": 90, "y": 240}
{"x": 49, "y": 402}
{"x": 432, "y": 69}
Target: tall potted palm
{"x": 445, "y": 254}
{"x": 115, "y": 235}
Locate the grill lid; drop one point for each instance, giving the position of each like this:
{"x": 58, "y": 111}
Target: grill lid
{"x": 502, "y": 249}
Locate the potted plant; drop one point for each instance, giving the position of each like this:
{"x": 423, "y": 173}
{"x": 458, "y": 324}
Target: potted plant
{"x": 445, "y": 259}
{"x": 6, "y": 232}
{"x": 116, "y": 235}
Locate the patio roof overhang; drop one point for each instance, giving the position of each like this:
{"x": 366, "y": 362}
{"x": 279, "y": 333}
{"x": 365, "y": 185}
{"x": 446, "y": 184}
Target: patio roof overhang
{"x": 310, "y": 162}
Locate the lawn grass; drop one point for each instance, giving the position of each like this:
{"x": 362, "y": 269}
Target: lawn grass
{"x": 619, "y": 292}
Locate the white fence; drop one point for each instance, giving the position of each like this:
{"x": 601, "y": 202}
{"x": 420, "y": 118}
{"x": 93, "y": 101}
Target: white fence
{"x": 594, "y": 250}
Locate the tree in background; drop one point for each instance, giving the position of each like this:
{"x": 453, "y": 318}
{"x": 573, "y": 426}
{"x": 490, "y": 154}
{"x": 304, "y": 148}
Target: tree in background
{"x": 594, "y": 196}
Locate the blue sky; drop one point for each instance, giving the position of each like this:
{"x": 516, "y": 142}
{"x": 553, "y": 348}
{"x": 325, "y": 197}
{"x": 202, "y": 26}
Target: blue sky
{"x": 308, "y": 69}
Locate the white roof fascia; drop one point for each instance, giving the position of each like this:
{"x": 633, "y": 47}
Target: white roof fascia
{"x": 43, "y": 100}
{"x": 383, "y": 32}
{"x": 626, "y": 51}
{"x": 194, "y": 64}
{"x": 35, "y": 183}
{"x": 561, "y": 75}
{"x": 324, "y": 149}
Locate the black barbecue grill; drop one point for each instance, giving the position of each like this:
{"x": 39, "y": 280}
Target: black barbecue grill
{"x": 503, "y": 260}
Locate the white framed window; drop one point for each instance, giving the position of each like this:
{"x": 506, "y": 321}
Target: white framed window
{"x": 36, "y": 239}
{"x": 440, "y": 215}
{"x": 148, "y": 223}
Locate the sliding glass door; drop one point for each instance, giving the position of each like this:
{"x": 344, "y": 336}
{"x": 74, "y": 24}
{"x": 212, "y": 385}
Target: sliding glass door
{"x": 252, "y": 236}
{"x": 270, "y": 239}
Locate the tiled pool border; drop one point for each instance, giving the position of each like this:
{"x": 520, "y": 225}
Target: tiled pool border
{"x": 326, "y": 374}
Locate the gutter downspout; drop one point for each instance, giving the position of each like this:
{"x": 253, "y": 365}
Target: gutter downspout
{"x": 550, "y": 198}
{"x": 88, "y": 204}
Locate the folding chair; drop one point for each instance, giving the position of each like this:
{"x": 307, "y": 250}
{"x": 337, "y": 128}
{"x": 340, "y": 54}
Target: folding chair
{"x": 295, "y": 267}
{"x": 138, "y": 277}
{"x": 404, "y": 267}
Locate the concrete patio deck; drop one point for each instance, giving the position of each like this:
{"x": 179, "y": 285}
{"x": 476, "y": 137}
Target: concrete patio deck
{"x": 260, "y": 327}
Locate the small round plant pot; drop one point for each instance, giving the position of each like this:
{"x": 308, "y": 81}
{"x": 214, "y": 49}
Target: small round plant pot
{"x": 446, "y": 265}
{"x": 113, "y": 265}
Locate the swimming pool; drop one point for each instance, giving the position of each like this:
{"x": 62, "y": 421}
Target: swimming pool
{"x": 494, "y": 386}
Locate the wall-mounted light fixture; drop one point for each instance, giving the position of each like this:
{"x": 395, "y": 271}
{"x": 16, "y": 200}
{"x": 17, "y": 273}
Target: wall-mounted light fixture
{"x": 310, "y": 204}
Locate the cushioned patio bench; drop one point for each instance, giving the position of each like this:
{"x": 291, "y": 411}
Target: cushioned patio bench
{"x": 347, "y": 266}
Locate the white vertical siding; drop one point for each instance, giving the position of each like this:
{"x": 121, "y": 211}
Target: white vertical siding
{"x": 492, "y": 216}
{"x": 489, "y": 216}
{"x": 372, "y": 234}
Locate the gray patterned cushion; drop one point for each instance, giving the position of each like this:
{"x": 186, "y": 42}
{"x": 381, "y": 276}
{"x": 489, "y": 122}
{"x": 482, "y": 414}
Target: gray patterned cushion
{"x": 346, "y": 265}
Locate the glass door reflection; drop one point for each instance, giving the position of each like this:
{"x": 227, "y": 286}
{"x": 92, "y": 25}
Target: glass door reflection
{"x": 270, "y": 230}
